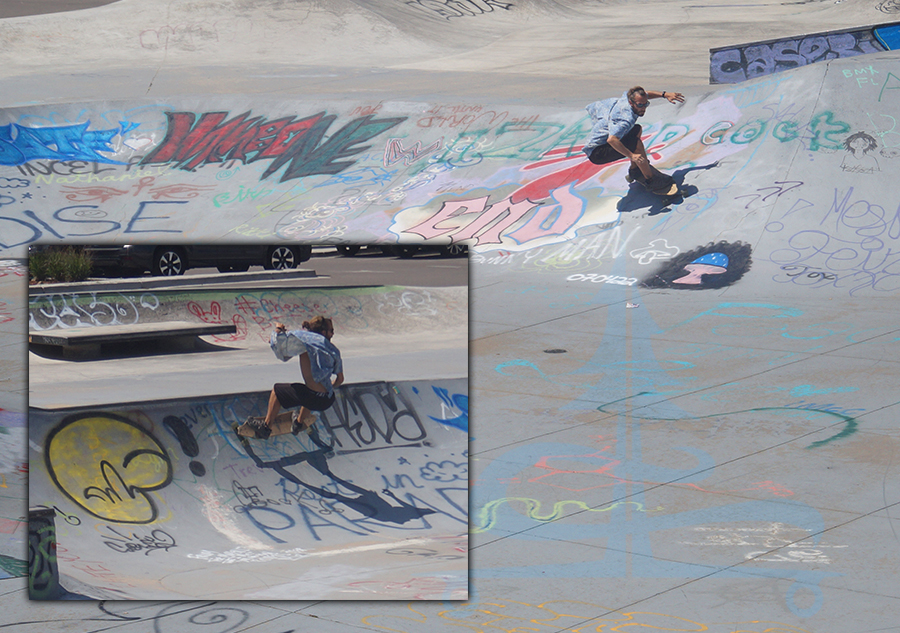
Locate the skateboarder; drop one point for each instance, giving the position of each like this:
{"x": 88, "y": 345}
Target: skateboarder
{"x": 615, "y": 133}
{"x": 319, "y": 360}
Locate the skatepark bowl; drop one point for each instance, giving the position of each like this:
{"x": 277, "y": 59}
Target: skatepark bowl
{"x": 685, "y": 412}
{"x": 158, "y": 498}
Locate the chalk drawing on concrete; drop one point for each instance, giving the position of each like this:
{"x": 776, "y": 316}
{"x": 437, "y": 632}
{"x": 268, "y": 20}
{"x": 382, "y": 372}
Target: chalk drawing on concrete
{"x": 489, "y": 223}
{"x": 711, "y": 266}
{"x": 858, "y": 159}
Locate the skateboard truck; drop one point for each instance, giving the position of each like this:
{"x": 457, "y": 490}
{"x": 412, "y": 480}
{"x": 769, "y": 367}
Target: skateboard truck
{"x": 659, "y": 184}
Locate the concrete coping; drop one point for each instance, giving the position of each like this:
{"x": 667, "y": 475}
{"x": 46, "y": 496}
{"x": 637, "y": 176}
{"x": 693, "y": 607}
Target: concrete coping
{"x": 150, "y": 283}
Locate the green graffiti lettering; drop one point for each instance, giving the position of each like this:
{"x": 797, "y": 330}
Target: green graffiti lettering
{"x": 786, "y": 131}
{"x": 749, "y": 132}
{"x": 824, "y": 130}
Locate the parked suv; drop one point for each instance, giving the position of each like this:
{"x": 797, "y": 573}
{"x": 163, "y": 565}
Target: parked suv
{"x": 174, "y": 260}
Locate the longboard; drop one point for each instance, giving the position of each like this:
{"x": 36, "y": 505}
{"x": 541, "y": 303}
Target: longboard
{"x": 662, "y": 184}
{"x": 284, "y": 423}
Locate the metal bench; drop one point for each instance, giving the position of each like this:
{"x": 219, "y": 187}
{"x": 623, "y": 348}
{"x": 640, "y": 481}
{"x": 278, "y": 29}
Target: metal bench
{"x": 86, "y": 342}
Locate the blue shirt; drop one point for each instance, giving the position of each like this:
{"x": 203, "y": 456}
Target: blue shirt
{"x": 324, "y": 357}
{"x": 610, "y": 117}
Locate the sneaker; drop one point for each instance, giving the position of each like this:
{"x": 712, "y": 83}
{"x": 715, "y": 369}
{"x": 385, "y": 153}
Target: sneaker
{"x": 633, "y": 175}
{"x": 309, "y": 419}
{"x": 260, "y": 427}
{"x": 305, "y": 424}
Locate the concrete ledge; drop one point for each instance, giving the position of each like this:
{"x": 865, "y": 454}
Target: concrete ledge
{"x": 85, "y": 342}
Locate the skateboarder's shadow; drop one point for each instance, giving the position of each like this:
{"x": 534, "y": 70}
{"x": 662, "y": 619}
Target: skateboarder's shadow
{"x": 638, "y": 197}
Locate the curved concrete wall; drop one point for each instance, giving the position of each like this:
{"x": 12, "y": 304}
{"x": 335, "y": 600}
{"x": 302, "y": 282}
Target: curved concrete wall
{"x": 358, "y": 311}
{"x": 509, "y": 181}
{"x": 160, "y": 500}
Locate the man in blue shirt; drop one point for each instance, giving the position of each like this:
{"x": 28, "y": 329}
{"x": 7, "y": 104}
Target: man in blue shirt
{"x": 319, "y": 361}
{"x": 615, "y": 133}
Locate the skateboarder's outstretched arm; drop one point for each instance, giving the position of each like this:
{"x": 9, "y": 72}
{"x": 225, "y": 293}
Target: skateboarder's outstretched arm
{"x": 671, "y": 97}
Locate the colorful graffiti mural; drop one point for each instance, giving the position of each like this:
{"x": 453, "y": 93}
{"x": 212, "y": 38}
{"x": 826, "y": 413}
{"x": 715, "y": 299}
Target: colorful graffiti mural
{"x": 124, "y": 479}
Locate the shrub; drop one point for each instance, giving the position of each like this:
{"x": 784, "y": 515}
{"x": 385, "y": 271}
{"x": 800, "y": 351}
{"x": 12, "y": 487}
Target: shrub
{"x": 63, "y": 264}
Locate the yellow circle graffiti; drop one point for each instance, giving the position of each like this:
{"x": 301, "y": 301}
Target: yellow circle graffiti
{"x": 107, "y": 465}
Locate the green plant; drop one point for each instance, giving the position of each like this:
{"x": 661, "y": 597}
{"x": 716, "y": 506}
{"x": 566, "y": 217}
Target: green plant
{"x": 37, "y": 267}
{"x": 60, "y": 264}
{"x": 79, "y": 265}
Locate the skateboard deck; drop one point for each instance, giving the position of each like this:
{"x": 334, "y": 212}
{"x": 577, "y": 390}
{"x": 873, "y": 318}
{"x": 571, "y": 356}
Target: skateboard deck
{"x": 660, "y": 185}
{"x": 284, "y": 423}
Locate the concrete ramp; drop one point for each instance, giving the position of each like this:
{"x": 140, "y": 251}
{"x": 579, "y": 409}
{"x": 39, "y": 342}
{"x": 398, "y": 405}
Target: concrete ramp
{"x": 159, "y": 500}
{"x": 504, "y": 179}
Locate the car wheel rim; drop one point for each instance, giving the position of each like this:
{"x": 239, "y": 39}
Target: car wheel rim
{"x": 170, "y": 264}
{"x": 282, "y": 258}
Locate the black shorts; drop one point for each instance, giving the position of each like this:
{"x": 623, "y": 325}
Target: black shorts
{"x": 604, "y": 154}
{"x": 296, "y": 394}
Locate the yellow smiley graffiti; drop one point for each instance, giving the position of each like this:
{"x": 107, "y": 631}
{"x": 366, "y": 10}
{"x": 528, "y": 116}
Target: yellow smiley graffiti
{"x": 108, "y": 465}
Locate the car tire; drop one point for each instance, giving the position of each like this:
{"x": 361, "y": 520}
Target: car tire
{"x": 454, "y": 250}
{"x": 282, "y": 258}
{"x": 169, "y": 262}
{"x": 348, "y": 250}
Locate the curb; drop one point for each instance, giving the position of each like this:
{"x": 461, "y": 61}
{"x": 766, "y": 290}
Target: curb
{"x": 154, "y": 283}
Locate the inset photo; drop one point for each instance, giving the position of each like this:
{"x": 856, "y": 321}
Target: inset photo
{"x": 246, "y": 422}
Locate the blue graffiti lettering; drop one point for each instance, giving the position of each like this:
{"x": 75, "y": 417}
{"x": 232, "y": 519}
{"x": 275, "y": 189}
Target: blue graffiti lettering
{"x": 69, "y": 142}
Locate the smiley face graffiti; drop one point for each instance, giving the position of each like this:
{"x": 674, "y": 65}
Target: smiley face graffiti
{"x": 109, "y": 466}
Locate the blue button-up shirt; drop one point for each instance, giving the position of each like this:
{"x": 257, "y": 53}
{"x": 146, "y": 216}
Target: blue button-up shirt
{"x": 610, "y": 117}
{"x": 324, "y": 357}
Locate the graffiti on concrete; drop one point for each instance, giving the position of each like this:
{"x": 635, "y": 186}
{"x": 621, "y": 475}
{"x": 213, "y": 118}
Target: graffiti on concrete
{"x": 122, "y": 477}
{"x": 108, "y": 466}
{"x": 20, "y": 144}
{"x": 712, "y": 266}
{"x": 512, "y": 225}
{"x": 127, "y": 542}
{"x": 194, "y": 36}
{"x": 450, "y": 9}
{"x": 47, "y": 312}
{"x": 340, "y": 495}
{"x": 395, "y": 152}
{"x": 454, "y": 409}
{"x": 373, "y": 413}
{"x": 43, "y": 574}
{"x": 182, "y": 432}
{"x": 849, "y": 245}
{"x": 145, "y": 185}
{"x": 858, "y": 159}
{"x": 177, "y": 616}
{"x": 193, "y": 142}
{"x": 549, "y": 616}
{"x": 739, "y": 63}
{"x": 625, "y": 529}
